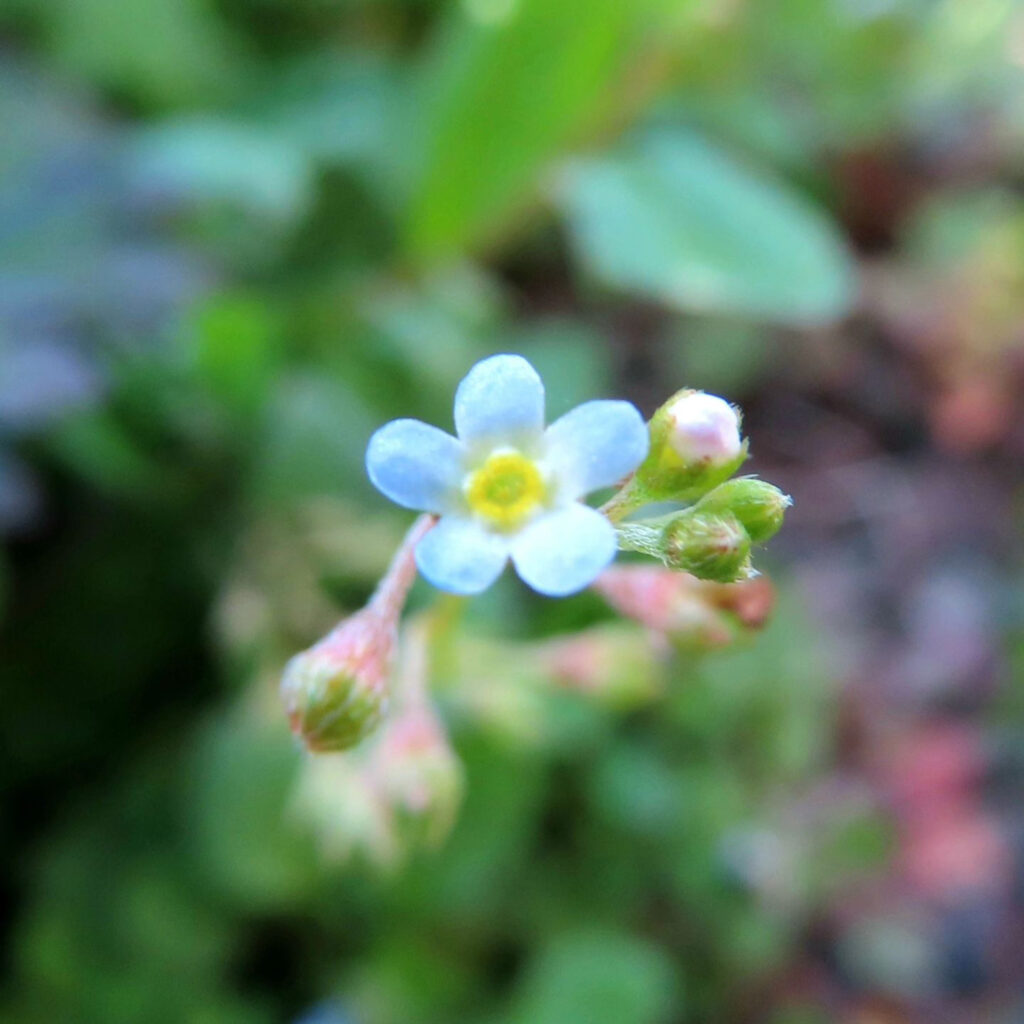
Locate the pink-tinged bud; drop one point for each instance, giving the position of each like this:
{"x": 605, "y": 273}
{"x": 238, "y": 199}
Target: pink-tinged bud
{"x": 336, "y": 693}
{"x": 647, "y": 593}
{"x": 399, "y": 793}
{"x": 751, "y": 601}
{"x": 402, "y": 790}
{"x": 703, "y": 428}
{"x": 419, "y": 776}
{"x": 615, "y": 664}
{"x": 693, "y": 613}
{"x": 695, "y": 445}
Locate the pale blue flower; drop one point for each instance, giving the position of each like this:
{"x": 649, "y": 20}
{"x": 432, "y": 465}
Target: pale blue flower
{"x": 507, "y": 488}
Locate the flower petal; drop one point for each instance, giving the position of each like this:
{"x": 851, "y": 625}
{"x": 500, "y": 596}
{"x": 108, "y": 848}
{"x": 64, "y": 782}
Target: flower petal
{"x": 595, "y": 445}
{"x": 501, "y": 398}
{"x": 460, "y": 556}
{"x": 565, "y": 550}
{"x": 415, "y": 465}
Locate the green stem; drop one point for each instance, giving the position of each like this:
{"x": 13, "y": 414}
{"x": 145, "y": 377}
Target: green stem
{"x": 625, "y": 500}
{"x": 640, "y": 537}
{"x": 443, "y": 623}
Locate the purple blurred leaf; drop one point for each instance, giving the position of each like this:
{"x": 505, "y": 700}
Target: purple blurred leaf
{"x": 40, "y": 380}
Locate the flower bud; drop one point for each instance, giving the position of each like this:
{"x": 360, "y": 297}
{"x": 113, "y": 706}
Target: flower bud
{"x": 750, "y": 601}
{"x": 336, "y": 798}
{"x": 757, "y": 504}
{"x": 695, "y": 615}
{"x": 613, "y": 663}
{"x": 419, "y": 777}
{"x": 703, "y": 428}
{"x": 710, "y": 547}
{"x": 672, "y": 603}
{"x": 695, "y": 444}
{"x": 336, "y": 692}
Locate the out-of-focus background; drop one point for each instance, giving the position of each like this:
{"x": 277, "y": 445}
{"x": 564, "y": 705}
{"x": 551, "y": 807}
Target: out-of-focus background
{"x": 238, "y": 235}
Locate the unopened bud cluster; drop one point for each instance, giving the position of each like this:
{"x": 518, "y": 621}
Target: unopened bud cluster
{"x": 402, "y": 789}
{"x": 696, "y": 447}
{"x": 713, "y": 539}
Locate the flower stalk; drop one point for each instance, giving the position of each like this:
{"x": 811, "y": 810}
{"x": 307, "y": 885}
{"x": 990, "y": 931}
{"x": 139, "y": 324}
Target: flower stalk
{"x": 337, "y": 691}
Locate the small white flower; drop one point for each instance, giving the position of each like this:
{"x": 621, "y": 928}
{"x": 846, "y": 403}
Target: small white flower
{"x": 507, "y": 488}
{"x": 704, "y": 428}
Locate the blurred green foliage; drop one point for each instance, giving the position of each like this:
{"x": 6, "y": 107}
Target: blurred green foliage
{"x": 249, "y": 232}
{"x": 676, "y": 220}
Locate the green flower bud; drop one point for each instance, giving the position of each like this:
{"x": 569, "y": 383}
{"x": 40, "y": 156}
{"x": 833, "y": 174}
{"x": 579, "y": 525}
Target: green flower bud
{"x": 710, "y": 547}
{"x": 695, "y": 444}
{"x": 757, "y": 504}
{"x": 336, "y": 692}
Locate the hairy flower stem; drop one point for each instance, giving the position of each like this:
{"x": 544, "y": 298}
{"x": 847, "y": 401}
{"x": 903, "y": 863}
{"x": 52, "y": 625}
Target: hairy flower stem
{"x": 388, "y": 599}
{"x": 625, "y": 500}
{"x": 642, "y": 538}
{"x": 410, "y": 684}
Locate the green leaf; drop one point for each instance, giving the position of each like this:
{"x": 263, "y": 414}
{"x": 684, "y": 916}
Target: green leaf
{"x": 672, "y": 217}
{"x": 237, "y": 341}
{"x": 161, "y": 51}
{"x": 598, "y": 977}
{"x": 313, "y": 440}
{"x": 509, "y": 86}
{"x": 240, "y": 835}
{"x": 102, "y": 450}
{"x": 211, "y": 160}
{"x": 333, "y": 107}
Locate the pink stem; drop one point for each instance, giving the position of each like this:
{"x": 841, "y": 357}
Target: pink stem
{"x": 389, "y": 597}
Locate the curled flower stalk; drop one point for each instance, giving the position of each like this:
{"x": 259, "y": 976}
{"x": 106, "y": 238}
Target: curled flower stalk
{"x": 336, "y": 692}
{"x": 399, "y": 792}
{"x": 507, "y": 487}
{"x": 388, "y": 599}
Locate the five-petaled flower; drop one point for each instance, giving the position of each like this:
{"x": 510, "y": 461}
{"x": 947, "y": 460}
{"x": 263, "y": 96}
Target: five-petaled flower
{"x": 506, "y": 487}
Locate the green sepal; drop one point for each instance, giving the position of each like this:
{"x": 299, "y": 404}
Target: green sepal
{"x": 757, "y": 504}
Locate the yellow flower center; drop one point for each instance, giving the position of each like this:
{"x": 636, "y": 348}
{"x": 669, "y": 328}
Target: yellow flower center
{"x": 506, "y": 490}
